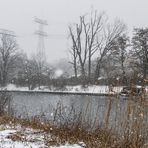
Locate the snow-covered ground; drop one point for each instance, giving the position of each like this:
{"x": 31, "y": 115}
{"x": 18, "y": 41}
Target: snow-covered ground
{"x": 93, "y": 89}
{"x": 13, "y": 87}
{"x": 77, "y": 88}
{"x": 96, "y": 89}
{"x": 10, "y": 138}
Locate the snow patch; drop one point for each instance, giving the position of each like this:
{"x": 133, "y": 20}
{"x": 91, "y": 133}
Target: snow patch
{"x": 34, "y": 139}
{"x": 68, "y": 146}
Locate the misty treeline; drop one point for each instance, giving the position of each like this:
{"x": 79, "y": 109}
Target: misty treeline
{"x": 103, "y": 50}
{"x": 101, "y": 53}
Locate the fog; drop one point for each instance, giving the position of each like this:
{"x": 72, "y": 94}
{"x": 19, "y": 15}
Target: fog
{"x": 18, "y": 16}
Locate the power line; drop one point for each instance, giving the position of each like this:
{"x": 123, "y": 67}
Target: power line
{"x": 7, "y": 32}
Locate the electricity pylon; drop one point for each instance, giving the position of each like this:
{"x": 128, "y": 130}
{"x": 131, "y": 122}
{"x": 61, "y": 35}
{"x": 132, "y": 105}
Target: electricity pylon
{"x": 40, "y": 58}
{"x": 41, "y": 35}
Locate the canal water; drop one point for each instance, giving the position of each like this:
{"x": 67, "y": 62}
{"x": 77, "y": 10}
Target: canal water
{"x": 62, "y": 107}
{"x": 90, "y": 111}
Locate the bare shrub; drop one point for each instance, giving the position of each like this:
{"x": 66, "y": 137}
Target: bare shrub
{"x": 5, "y": 100}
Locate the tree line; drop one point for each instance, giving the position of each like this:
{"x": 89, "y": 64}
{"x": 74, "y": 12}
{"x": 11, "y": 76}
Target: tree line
{"x": 100, "y": 51}
{"x": 103, "y": 49}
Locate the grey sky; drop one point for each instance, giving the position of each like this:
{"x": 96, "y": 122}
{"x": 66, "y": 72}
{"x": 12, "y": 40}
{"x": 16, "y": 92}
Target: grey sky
{"x": 18, "y": 15}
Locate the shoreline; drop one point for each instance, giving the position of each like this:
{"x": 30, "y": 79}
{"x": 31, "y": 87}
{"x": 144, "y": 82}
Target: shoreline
{"x": 61, "y": 92}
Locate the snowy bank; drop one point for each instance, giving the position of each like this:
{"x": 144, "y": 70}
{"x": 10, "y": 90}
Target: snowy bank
{"x": 25, "y": 138}
{"x": 94, "y": 89}
{"x": 78, "y": 89}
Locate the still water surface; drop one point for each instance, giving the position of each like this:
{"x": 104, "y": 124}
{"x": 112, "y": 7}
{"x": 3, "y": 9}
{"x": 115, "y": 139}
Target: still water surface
{"x": 36, "y": 104}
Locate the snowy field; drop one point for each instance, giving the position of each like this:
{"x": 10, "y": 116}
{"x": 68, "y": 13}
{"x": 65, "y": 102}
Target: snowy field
{"x": 18, "y": 137}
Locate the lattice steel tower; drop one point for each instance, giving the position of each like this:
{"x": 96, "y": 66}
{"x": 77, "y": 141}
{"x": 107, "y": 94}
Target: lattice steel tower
{"x": 41, "y": 35}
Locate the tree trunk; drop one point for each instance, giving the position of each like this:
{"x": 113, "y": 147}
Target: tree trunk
{"x": 3, "y": 78}
{"x": 97, "y": 71}
{"x": 89, "y": 66}
{"x": 75, "y": 68}
{"x": 83, "y": 75}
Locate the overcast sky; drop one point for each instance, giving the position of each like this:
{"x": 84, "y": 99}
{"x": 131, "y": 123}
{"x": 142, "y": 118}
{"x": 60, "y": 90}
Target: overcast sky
{"x": 18, "y": 16}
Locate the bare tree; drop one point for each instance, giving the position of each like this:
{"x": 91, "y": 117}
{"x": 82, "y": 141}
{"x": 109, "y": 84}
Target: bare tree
{"x": 84, "y": 37}
{"x": 77, "y": 45}
{"x": 29, "y": 73}
{"x": 107, "y": 42}
{"x": 74, "y": 61}
{"x": 96, "y": 25}
{"x": 8, "y": 56}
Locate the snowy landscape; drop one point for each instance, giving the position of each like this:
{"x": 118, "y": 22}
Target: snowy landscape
{"x": 73, "y": 74}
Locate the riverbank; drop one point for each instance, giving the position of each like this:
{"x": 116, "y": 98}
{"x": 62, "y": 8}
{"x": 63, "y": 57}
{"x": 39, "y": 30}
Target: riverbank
{"x": 96, "y": 90}
{"x": 91, "y": 89}
{"x": 24, "y": 133}
{"x": 19, "y": 133}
